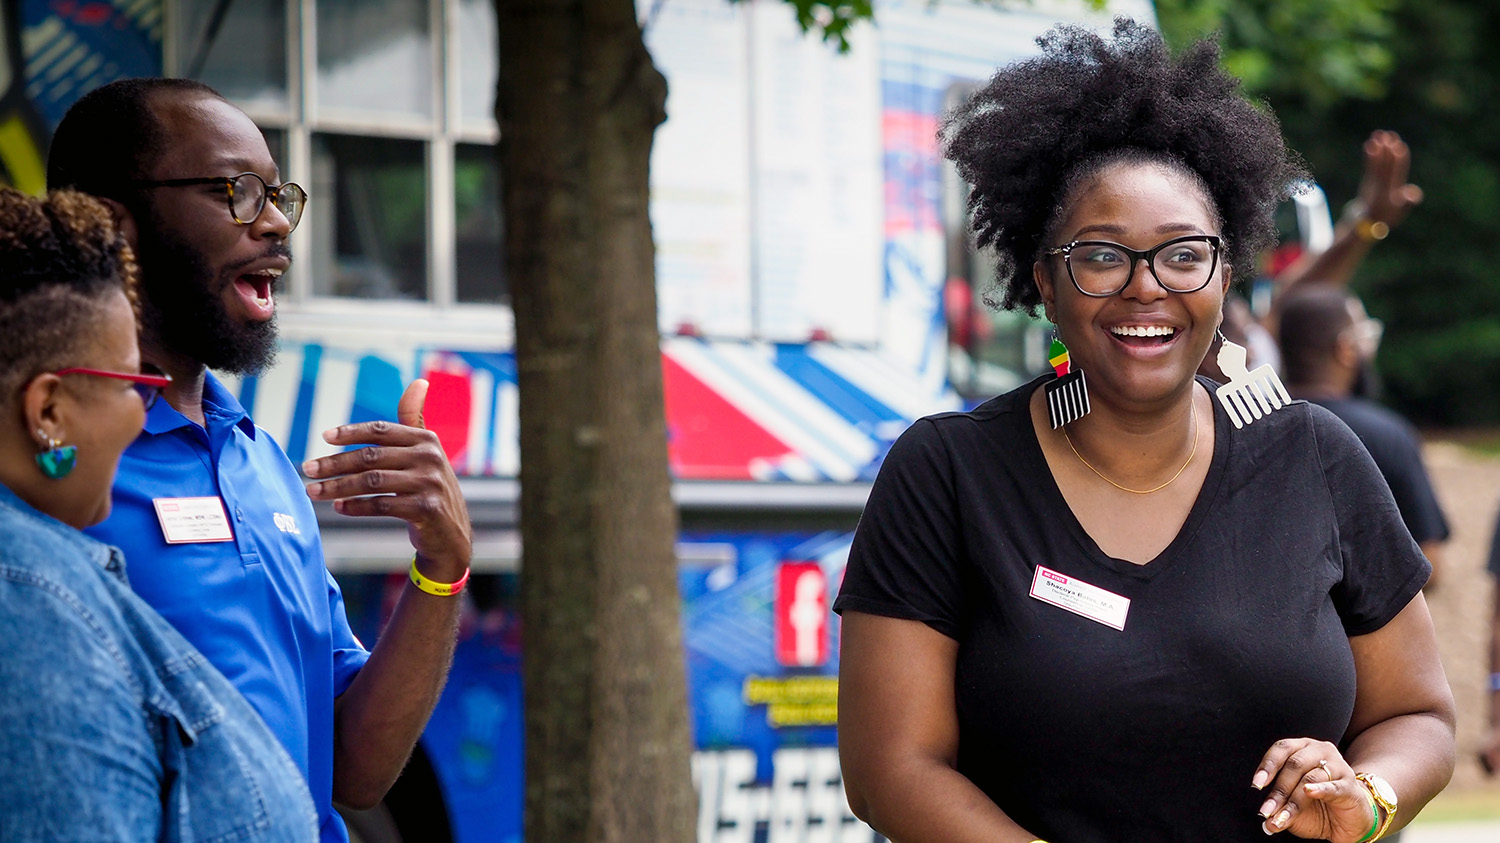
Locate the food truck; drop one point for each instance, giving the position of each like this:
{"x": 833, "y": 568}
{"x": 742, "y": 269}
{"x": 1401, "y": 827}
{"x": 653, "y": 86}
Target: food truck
{"x": 816, "y": 290}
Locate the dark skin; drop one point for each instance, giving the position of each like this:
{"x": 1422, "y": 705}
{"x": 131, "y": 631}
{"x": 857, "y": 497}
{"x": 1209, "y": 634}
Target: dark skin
{"x": 99, "y": 416}
{"x": 898, "y": 721}
{"x": 405, "y": 474}
{"x": 378, "y": 719}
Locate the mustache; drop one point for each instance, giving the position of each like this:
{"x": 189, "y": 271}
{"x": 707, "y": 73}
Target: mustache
{"x": 275, "y": 250}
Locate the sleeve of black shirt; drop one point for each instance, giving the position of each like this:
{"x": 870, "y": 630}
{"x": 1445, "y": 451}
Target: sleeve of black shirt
{"x": 1412, "y": 487}
{"x": 904, "y": 562}
{"x": 1383, "y": 567}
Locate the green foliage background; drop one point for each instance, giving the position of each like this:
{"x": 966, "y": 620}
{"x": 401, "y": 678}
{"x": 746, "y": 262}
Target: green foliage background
{"x": 1333, "y": 70}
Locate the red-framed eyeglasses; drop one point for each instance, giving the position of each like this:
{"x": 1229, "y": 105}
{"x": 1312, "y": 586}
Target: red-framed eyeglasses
{"x": 147, "y": 386}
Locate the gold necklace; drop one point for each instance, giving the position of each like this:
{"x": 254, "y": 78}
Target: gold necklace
{"x": 1191, "y": 454}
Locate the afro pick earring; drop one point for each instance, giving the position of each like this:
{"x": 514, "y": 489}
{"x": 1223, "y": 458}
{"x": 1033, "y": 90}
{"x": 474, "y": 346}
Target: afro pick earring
{"x": 1249, "y": 395}
{"x": 58, "y": 460}
{"x": 1068, "y": 394}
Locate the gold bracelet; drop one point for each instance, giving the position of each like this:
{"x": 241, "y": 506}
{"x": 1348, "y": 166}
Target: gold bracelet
{"x": 1370, "y": 230}
{"x": 1384, "y": 797}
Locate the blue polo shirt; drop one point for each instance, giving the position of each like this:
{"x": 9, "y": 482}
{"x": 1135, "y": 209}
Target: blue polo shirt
{"x": 262, "y": 606}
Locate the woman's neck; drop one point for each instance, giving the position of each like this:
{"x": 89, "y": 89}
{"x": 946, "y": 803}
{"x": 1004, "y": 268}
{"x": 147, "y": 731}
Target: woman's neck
{"x": 1137, "y": 451}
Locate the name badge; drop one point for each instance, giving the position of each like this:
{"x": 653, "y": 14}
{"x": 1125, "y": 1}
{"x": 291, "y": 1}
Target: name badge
{"x": 1079, "y": 597}
{"x": 193, "y": 520}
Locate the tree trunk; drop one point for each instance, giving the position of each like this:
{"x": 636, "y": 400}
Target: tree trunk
{"x": 607, "y": 744}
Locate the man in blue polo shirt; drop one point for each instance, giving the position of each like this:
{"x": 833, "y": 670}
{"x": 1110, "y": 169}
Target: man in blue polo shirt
{"x": 215, "y": 521}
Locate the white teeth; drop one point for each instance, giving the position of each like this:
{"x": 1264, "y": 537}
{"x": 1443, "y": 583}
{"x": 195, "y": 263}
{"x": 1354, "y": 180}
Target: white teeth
{"x": 268, "y": 276}
{"x": 1142, "y": 331}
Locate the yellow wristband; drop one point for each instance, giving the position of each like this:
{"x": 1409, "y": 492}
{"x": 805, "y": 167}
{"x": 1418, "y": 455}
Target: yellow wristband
{"x": 441, "y": 589}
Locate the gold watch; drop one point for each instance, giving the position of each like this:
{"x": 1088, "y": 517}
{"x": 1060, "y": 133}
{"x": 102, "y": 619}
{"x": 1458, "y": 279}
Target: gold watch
{"x": 1385, "y": 799}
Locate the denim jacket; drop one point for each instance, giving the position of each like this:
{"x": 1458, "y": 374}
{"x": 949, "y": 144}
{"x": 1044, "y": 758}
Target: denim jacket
{"x": 112, "y": 726}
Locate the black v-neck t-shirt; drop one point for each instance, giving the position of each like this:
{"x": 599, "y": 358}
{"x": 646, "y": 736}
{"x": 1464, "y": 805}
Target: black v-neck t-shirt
{"x": 1236, "y": 635}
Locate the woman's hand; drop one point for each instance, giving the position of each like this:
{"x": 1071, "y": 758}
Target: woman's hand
{"x": 1312, "y": 793}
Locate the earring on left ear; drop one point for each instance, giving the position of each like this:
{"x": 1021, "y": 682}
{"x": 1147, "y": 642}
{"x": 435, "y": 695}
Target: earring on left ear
{"x": 1067, "y": 395}
{"x": 58, "y": 460}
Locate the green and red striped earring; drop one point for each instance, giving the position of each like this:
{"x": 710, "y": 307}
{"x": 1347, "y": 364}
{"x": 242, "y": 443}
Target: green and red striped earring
{"x": 1068, "y": 394}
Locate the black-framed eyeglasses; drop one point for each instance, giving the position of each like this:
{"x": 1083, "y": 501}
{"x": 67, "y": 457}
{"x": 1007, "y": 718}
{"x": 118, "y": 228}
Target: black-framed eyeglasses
{"x": 149, "y": 387}
{"x": 1101, "y": 268}
{"x": 247, "y": 194}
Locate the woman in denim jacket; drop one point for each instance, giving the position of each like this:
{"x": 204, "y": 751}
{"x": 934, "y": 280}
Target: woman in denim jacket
{"x": 112, "y": 726}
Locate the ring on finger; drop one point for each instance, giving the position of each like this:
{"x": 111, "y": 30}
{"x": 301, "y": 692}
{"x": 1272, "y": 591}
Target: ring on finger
{"x": 1324, "y": 764}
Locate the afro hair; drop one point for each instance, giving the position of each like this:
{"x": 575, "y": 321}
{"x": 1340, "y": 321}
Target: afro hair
{"x": 1040, "y": 127}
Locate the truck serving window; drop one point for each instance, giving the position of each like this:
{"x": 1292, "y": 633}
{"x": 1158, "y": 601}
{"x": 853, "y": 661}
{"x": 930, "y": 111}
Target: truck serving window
{"x": 990, "y": 351}
{"x": 383, "y": 110}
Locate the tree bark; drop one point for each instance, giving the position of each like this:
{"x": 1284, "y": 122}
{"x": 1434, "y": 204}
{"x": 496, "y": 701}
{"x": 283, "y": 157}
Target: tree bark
{"x": 607, "y": 743}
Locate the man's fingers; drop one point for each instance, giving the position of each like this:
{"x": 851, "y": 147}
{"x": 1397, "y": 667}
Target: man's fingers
{"x": 408, "y": 419}
{"x": 404, "y": 473}
{"x": 406, "y": 448}
{"x": 408, "y": 508}
{"x": 1387, "y": 165}
{"x": 409, "y": 411}
{"x": 373, "y": 482}
{"x": 377, "y": 433}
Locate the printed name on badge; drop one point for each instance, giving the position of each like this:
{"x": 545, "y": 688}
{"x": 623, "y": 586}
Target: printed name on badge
{"x": 193, "y": 520}
{"x": 1079, "y": 597}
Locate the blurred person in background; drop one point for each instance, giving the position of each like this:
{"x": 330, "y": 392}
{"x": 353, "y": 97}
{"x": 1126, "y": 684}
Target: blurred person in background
{"x": 112, "y": 726}
{"x": 1384, "y": 200}
{"x": 1328, "y": 345}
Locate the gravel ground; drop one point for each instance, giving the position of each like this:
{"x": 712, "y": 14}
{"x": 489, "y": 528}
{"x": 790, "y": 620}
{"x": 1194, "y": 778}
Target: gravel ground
{"x": 1468, "y": 486}
{"x": 1464, "y": 832}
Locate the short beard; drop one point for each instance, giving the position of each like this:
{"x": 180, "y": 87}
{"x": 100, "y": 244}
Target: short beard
{"x": 182, "y": 307}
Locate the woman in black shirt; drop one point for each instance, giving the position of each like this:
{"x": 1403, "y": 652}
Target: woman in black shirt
{"x": 1164, "y": 619}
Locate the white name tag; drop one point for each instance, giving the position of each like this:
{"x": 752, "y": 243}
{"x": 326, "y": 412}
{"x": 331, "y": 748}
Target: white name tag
{"x": 1079, "y": 597}
{"x": 193, "y": 520}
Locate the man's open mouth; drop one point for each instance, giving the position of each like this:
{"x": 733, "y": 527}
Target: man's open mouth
{"x": 261, "y": 284}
